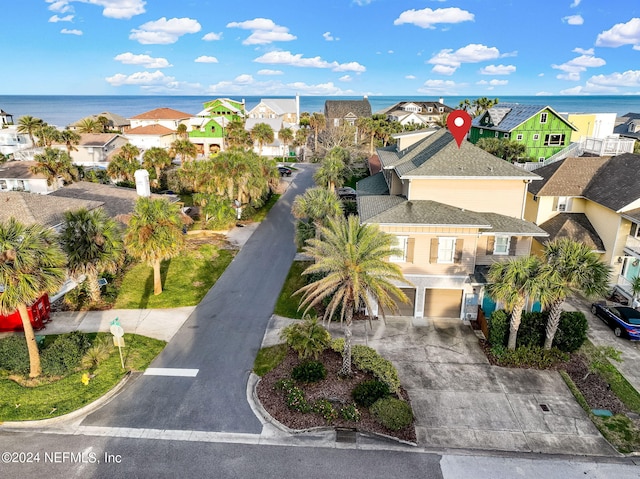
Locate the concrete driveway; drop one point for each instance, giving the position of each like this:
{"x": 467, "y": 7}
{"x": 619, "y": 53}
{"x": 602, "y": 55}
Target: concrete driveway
{"x": 461, "y": 401}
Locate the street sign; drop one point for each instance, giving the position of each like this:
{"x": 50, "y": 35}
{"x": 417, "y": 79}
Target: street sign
{"x": 117, "y": 330}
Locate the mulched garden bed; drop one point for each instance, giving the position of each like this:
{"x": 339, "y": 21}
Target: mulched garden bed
{"x": 333, "y": 388}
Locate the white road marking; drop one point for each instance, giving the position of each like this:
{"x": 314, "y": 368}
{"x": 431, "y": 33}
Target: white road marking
{"x": 189, "y": 373}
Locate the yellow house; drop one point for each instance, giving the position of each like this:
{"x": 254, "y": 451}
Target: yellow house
{"x": 454, "y": 211}
{"x": 596, "y": 201}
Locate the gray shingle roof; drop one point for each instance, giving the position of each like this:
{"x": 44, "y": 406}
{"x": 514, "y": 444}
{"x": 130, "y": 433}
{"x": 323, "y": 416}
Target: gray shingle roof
{"x": 372, "y": 185}
{"x": 342, "y": 108}
{"x": 508, "y": 116}
{"x": 501, "y": 224}
{"x": 576, "y": 226}
{"x": 435, "y": 105}
{"x": 438, "y": 156}
{"x": 45, "y": 210}
{"x": 616, "y": 184}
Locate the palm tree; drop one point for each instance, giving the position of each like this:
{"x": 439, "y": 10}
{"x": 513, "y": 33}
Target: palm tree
{"x": 366, "y": 126}
{"x": 71, "y": 139}
{"x": 317, "y": 205}
{"x": 185, "y": 149}
{"x": 31, "y": 263}
{"x": 93, "y": 244}
{"x": 286, "y": 137}
{"x": 512, "y": 282}
{"x": 28, "y": 124}
{"x": 104, "y": 123}
{"x": 154, "y": 233}
{"x": 182, "y": 131}
{"x": 237, "y": 136}
{"x": 352, "y": 259}
{"x": 332, "y": 170}
{"x": 54, "y": 164}
{"x": 214, "y": 207}
{"x": 89, "y": 125}
{"x": 262, "y": 133}
{"x": 635, "y": 289}
{"x": 317, "y": 122}
{"x": 158, "y": 160}
{"x": 575, "y": 268}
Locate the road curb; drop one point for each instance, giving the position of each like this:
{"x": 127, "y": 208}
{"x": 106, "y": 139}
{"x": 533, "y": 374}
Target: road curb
{"x": 73, "y": 415}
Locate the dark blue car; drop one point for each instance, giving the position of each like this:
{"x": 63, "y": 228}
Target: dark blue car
{"x": 623, "y": 320}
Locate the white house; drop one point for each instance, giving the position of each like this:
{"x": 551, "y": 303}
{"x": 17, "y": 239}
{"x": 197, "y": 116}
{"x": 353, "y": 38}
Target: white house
{"x": 15, "y": 176}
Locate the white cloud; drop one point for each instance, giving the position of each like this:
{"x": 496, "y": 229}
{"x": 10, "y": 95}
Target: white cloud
{"x": 582, "y": 51}
{"x": 211, "y": 36}
{"x": 121, "y": 9}
{"x": 427, "y": 18}
{"x": 630, "y": 78}
{"x": 362, "y": 2}
{"x": 573, "y": 19}
{"x": 410, "y": 77}
{"x": 144, "y": 60}
{"x": 438, "y": 87}
{"x": 266, "y": 71}
{"x": 575, "y": 3}
{"x": 297, "y": 60}
{"x": 328, "y": 37}
{"x": 56, "y": 19}
{"x": 140, "y": 78}
{"x": 621, "y": 34}
{"x": 544, "y": 93}
{"x": 206, "y": 59}
{"x": 71, "y": 32}
{"x": 540, "y": 74}
{"x": 493, "y": 82}
{"x": 277, "y": 88}
{"x": 576, "y": 90}
{"x": 573, "y": 68}
{"x": 244, "y": 79}
{"x": 345, "y": 78}
{"x": 472, "y": 53}
{"x": 498, "y": 70}
{"x": 163, "y": 31}
{"x": 263, "y": 31}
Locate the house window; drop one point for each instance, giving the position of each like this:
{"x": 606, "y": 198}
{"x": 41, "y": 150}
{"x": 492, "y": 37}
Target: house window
{"x": 3, "y": 185}
{"x": 506, "y": 135}
{"x": 496, "y": 135}
{"x": 536, "y": 137}
{"x": 401, "y": 244}
{"x": 564, "y": 203}
{"x": 541, "y": 159}
{"x": 519, "y": 137}
{"x": 554, "y": 140}
{"x": 441, "y": 109}
{"x": 543, "y": 117}
{"x": 481, "y": 131}
{"x": 429, "y": 109}
{"x": 446, "y": 250}
{"x": 336, "y": 122}
{"x": 501, "y": 245}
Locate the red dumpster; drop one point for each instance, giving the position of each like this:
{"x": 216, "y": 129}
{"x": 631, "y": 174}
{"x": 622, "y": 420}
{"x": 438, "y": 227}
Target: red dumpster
{"x": 39, "y": 313}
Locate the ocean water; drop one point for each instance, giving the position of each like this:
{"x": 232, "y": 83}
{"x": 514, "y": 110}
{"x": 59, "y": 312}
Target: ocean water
{"x": 61, "y": 110}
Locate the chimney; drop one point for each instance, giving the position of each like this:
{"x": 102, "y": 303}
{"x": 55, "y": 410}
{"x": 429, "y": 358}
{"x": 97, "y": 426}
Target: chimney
{"x": 441, "y": 100}
{"x": 142, "y": 183}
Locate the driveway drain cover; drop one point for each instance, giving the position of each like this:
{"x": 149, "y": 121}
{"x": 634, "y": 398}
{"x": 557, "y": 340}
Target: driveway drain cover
{"x": 345, "y": 435}
{"x": 544, "y": 407}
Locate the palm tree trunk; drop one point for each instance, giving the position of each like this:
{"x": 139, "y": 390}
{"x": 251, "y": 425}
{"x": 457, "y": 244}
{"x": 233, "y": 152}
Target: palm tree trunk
{"x": 157, "y": 280}
{"x": 346, "y": 352}
{"x": 94, "y": 287}
{"x": 516, "y": 316}
{"x": 32, "y": 346}
{"x": 552, "y": 322}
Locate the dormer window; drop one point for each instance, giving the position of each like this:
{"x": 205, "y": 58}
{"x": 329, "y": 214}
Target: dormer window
{"x": 543, "y": 117}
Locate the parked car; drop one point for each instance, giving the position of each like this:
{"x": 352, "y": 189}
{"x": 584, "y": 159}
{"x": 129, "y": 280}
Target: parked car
{"x": 284, "y": 171}
{"x": 346, "y": 193}
{"x": 624, "y": 321}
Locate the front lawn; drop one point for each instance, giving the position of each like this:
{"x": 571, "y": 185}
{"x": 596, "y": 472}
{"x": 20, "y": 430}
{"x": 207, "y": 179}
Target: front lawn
{"x": 185, "y": 278}
{"x": 50, "y": 398}
{"x": 287, "y": 304}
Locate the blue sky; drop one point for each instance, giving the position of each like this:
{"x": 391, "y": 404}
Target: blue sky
{"x": 333, "y": 47}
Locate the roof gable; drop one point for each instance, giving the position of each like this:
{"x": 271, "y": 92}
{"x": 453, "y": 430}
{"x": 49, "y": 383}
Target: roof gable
{"x": 509, "y": 116}
{"x": 344, "y": 108}
{"x": 163, "y": 114}
{"x": 154, "y": 130}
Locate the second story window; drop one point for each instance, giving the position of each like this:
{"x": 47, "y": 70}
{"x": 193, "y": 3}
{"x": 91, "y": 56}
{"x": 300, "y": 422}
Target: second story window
{"x": 563, "y": 204}
{"x": 501, "y": 245}
{"x": 446, "y": 250}
{"x": 543, "y": 117}
{"x": 401, "y": 244}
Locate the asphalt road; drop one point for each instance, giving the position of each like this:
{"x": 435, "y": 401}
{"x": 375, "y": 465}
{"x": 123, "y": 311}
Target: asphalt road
{"x": 220, "y": 339}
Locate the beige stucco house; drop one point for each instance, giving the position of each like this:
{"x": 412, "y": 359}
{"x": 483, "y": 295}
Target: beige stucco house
{"x": 95, "y": 149}
{"x": 454, "y": 211}
{"x": 596, "y": 201}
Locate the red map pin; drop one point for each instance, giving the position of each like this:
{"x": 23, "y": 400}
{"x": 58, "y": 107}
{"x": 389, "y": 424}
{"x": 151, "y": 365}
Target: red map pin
{"x": 459, "y": 124}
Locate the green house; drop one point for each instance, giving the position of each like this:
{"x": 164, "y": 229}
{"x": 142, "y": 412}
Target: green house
{"x": 207, "y": 128}
{"x": 543, "y": 131}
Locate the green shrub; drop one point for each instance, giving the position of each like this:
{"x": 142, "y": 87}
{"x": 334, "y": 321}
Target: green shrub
{"x": 572, "y": 331}
{"x": 498, "y": 328}
{"x": 65, "y": 353}
{"x": 284, "y": 384}
{"x": 325, "y": 409}
{"x": 368, "y": 392}
{"x": 532, "y": 329}
{"x": 307, "y": 337}
{"x": 530, "y": 357}
{"x": 367, "y": 359}
{"x": 309, "y": 372}
{"x": 350, "y": 413}
{"x": 296, "y": 401}
{"x": 392, "y": 413}
{"x": 99, "y": 351}
{"x": 14, "y": 355}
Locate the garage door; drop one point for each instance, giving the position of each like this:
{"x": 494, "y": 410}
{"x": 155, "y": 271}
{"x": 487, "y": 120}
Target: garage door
{"x": 406, "y": 309}
{"x": 442, "y": 303}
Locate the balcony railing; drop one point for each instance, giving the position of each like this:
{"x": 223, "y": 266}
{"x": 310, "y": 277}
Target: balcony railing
{"x": 609, "y": 146}
{"x": 625, "y": 285}
{"x": 632, "y": 245}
